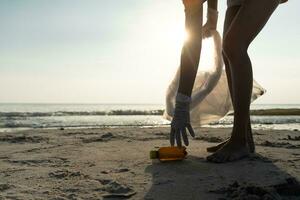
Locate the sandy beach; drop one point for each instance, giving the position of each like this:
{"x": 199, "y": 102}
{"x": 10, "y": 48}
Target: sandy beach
{"x": 113, "y": 163}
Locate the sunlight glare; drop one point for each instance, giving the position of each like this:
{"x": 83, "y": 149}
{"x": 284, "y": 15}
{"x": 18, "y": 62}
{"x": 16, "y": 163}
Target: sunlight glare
{"x": 207, "y": 55}
{"x": 179, "y": 35}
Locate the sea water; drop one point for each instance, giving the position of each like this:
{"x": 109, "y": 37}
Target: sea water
{"x": 27, "y": 116}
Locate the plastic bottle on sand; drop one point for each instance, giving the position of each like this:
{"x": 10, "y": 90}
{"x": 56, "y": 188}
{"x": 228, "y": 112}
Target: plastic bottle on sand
{"x": 169, "y": 153}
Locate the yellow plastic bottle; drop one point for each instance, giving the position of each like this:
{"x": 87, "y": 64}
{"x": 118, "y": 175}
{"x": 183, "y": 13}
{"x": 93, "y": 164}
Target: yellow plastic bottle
{"x": 169, "y": 153}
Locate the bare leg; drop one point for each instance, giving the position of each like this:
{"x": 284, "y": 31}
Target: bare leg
{"x": 230, "y": 14}
{"x": 250, "y": 142}
{"x": 248, "y": 22}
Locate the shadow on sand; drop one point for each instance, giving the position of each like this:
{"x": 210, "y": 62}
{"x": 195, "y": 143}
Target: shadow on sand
{"x": 194, "y": 179}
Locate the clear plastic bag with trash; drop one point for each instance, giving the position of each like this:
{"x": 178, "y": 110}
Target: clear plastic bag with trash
{"x": 211, "y": 99}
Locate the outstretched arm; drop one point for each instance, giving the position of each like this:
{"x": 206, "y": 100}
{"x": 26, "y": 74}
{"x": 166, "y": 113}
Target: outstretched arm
{"x": 190, "y": 57}
{"x": 190, "y": 53}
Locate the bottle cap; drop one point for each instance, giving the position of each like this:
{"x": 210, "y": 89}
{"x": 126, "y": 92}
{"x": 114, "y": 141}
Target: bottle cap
{"x": 153, "y": 154}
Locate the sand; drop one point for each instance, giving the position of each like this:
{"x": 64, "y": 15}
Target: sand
{"x": 113, "y": 163}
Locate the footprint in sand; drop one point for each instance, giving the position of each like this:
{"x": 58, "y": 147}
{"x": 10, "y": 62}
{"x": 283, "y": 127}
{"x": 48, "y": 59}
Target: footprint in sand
{"x": 296, "y": 138}
{"x": 121, "y": 170}
{"x": 288, "y": 189}
{"x": 280, "y": 145}
{"x": 4, "y": 186}
{"x": 23, "y": 139}
{"x": 113, "y": 189}
{"x": 51, "y": 162}
{"x": 103, "y": 138}
{"x": 64, "y": 173}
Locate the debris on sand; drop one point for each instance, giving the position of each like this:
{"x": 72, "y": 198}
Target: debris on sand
{"x": 120, "y": 170}
{"x": 22, "y": 139}
{"x": 65, "y": 174}
{"x": 4, "y": 186}
{"x": 296, "y": 138}
{"x": 107, "y": 135}
{"x": 113, "y": 189}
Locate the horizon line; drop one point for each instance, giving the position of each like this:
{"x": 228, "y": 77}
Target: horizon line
{"x": 106, "y": 103}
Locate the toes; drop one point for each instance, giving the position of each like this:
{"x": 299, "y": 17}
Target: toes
{"x": 237, "y": 156}
{"x": 217, "y": 147}
{"x": 210, "y": 158}
{"x": 225, "y": 158}
{"x": 214, "y": 158}
{"x": 214, "y": 148}
{"x": 227, "y": 154}
{"x": 220, "y": 158}
{"x": 232, "y": 158}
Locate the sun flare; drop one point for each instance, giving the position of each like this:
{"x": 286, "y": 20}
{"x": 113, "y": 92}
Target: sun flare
{"x": 179, "y": 35}
{"x": 207, "y": 55}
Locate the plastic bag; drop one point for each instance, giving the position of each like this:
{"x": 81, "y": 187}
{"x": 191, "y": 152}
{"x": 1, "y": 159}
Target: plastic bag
{"x": 211, "y": 99}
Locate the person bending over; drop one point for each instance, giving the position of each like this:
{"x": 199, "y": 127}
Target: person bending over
{"x": 190, "y": 57}
{"x": 243, "y": 22}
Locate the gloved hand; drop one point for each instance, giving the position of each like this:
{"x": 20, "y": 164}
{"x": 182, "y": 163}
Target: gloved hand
{"x": 181, "y": 121}
{"x": 211, "y": 23}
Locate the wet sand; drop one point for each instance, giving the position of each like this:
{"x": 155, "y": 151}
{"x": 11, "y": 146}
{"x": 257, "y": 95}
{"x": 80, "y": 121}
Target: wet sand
{"x": 113, "y": 163}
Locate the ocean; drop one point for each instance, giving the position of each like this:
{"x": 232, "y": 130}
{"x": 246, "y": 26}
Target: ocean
{"x": 30, "y": 116}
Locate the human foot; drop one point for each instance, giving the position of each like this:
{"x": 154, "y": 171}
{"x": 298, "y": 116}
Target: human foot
{"x": 231, "y": 151}
{"x": 213, "y": 149}
{"x": 250, "y": 142}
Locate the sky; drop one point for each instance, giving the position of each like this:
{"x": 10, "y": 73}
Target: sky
{"x": 126, "y": 51}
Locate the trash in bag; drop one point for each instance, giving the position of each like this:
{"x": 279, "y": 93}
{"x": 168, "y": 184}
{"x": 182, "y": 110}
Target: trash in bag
{"x": 211, "y": 99}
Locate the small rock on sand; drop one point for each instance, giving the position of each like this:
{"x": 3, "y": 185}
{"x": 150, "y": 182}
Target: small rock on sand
{"x": 4, "y": 186}
{"x": 114, "y": 189}
{"x": 22, "y": 139}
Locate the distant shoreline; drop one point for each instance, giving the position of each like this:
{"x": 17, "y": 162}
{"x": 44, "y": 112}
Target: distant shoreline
{"x": 278, "y": 111}
{"x": 259, "y": 112}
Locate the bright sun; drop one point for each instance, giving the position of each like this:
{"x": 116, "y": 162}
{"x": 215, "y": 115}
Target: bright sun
{"x": 207, "y": 52}
{"x": 183, "y": 35}
{"x": 207, "y": 55}
{"x": 179, "y": 35}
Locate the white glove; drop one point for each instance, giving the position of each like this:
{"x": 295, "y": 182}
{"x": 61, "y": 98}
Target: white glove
{"x": 211, "y": 23}
{"x": 181, "y": 121}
